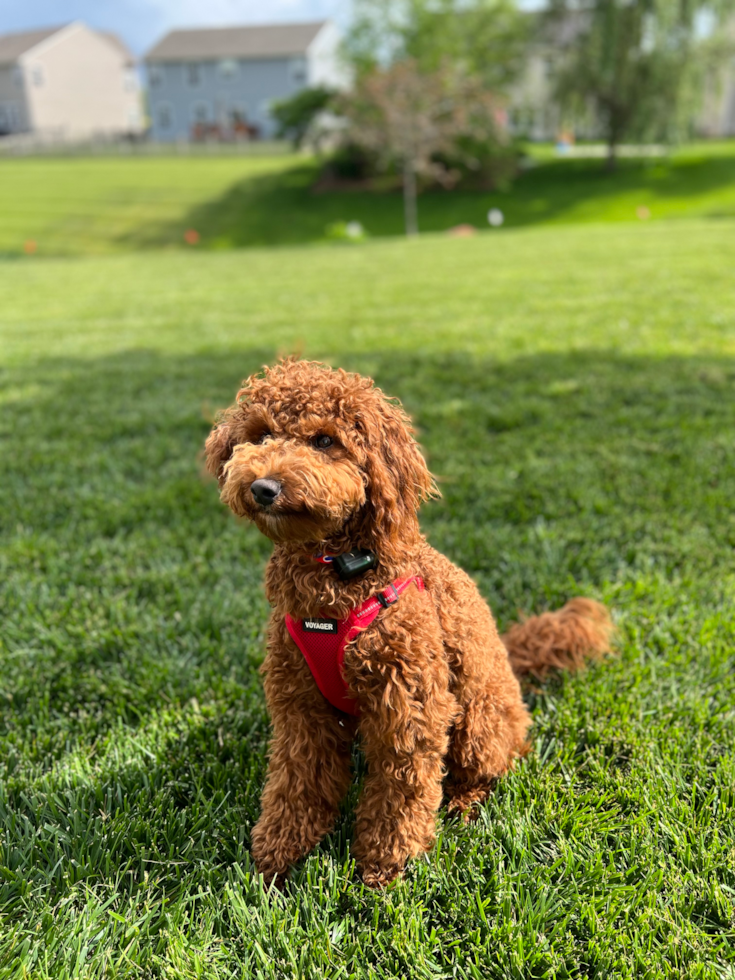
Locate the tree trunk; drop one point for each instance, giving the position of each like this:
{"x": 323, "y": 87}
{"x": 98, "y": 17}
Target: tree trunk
{"x": 611, "y": 163}
{"x": 410, "y": 210}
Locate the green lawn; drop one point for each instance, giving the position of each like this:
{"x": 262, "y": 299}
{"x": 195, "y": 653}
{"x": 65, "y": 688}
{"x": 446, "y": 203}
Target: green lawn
{"x": 72, "y": 206}
{"x": 574, "y": 392}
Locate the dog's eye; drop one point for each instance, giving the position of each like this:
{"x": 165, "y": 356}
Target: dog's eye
{"x": 323, "y": 442}
{"x": 265, "y": 435}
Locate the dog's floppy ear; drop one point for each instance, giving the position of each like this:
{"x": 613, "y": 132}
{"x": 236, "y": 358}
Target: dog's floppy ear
{"x": 398, "y": 477}
{"x": 230, "y": 429}
{"x": 221, "y": 441}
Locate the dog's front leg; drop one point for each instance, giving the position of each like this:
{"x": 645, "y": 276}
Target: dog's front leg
{"x": 404, "y": 732}
{"x": 309, "y": 762}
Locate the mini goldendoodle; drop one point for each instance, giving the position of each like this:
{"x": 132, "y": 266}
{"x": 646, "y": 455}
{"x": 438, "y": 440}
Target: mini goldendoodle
{"x": 373, "y": 632}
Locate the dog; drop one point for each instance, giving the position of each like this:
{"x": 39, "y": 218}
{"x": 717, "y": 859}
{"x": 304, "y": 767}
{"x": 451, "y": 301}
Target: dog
{"x": 373, "y": 634}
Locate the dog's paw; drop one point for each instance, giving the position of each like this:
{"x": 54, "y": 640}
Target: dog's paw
{"x": 271, "y": 875}
{"x": 376, "y": 877}
{"x": 273, "y": 867}
{"x": 467, "y": 812}
{"x": 465, "y": 802}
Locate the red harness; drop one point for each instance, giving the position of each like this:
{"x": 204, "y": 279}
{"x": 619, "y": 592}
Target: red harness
{"x": 323, "y": 641}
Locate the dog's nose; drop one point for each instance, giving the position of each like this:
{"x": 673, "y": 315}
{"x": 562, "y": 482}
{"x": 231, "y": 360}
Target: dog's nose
{"x": 265, "y": 491}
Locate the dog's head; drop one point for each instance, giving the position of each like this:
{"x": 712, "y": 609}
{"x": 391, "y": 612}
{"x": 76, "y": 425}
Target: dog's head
{"x": 308, "y": 454}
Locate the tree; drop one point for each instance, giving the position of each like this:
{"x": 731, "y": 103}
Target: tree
{"x": 418, "y": 120}
{"x": 631, "y": 63}
{"x": 482, "y": 38}
{"x": 296, "y": 114}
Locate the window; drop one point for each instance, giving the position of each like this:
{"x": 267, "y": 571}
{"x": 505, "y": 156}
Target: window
{"x": 193, "y": 74}
{"x": 264, "y": 109}
{"x": 155, "y": 76}
{"x": 228, "y": 69}
{"x": 298, "y": 71}
{"x": 239, "y": 113}
{"x": 37, "y": 76}
{"x": 164, "y": 116}
{"x": 130, "y": 80}
{"x": 4, "y": 121}
{"x": 199, "y": 112}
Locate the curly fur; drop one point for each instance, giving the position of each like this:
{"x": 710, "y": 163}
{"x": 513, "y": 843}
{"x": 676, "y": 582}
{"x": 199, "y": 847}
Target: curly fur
{"x": 435, "y": 683}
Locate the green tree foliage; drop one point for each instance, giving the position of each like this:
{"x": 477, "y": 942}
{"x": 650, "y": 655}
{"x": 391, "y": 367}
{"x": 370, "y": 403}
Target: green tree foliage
{"x": 485, "y": 38}
{"x": 633, "y": 65}
{"x": 296, "y": 114}
{"x": 430, "y": 80}
{"x": 423, "y": 122}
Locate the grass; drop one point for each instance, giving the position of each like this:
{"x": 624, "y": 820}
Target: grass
{"x": 72, "y": 206}
{"x": 574, "y": 392}
{"x": 83, "y": 205}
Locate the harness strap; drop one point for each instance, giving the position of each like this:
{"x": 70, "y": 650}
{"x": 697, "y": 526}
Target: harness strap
{"x": 323, "y": 641}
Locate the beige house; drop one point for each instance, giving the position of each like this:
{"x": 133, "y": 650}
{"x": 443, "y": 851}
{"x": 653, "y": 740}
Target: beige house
{"x": 68, "y": 83}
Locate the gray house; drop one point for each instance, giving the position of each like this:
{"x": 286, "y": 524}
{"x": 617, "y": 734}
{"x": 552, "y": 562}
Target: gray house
{"x": 220, "y": 82}
{"x": 68, "y": 82}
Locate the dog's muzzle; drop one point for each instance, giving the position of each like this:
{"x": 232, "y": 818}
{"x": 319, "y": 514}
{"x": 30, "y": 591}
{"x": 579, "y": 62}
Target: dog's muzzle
{"x": 265, "y": 491}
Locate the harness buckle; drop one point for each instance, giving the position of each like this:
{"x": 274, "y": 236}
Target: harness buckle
{"x": 388, "y": 596}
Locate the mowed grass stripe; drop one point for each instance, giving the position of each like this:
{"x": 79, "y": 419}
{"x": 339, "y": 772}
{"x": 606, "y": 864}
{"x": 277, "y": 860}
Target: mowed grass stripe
{"x": 81, "y": 206}
{"x": 574, "y": 392}
{"x": 642, "y": 289}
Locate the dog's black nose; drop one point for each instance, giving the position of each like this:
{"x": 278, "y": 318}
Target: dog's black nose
{"x": 265, "y": 491}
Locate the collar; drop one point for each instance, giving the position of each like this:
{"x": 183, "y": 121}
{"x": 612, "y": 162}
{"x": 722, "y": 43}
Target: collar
{"x": 350, "y": 564}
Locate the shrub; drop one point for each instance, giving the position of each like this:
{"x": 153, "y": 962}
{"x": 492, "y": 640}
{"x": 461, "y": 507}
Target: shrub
{"x": 296, "y": 114}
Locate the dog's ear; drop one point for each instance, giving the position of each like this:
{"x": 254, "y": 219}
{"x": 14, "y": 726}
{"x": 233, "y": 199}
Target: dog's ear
{"x": 398, "y": 477}
{"x": 220, "y": 444}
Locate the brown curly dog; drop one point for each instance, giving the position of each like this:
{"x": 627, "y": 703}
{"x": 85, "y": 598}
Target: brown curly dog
{"x": 323, "y": 463}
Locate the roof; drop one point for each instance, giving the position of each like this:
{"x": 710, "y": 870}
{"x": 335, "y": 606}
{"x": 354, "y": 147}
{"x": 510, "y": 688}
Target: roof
{"x": 118, "y": 44}
{"x": 266, "y": 41}
{"x": 14, "y": 46}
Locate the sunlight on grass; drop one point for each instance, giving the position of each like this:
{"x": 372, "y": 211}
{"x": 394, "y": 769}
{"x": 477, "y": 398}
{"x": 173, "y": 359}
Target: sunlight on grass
{"x": 573, "y": 389}
{"x": 72, "y": 206}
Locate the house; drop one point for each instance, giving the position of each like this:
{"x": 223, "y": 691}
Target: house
{"x": 220, "y": 82}
{"x": 717, "y": 116}
{"x": 68, "y": 82}
{"x": 535, "y": 113}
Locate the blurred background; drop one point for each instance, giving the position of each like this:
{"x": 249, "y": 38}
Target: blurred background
{"x": 230, "y": 124}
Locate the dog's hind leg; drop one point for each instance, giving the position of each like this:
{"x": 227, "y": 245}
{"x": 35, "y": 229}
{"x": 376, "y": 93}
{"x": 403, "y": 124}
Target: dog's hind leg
{"x": 309, "y": 764}
{"x": 485, "y": 740}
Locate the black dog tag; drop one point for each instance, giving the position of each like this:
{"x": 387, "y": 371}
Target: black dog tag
{"x": 319, "y": 625}
{"x": 354, "y": 563}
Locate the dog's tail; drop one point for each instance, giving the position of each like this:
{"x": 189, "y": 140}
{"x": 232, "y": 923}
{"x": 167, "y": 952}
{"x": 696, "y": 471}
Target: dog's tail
{"x": 562, "y": 640}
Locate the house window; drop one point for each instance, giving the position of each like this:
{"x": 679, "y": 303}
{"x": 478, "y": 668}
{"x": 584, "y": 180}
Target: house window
{"x": 37, "y": 76}
{"x": 164, "y": 116}
{"x": 298, "y": 71}
{"x": 155, "y": 76}
{"x": 264, "y": 109}
{"x": 199, "y": 112}
{"x": 4, "y": 121}
{"x": 193, "y": 74}
{"x": 228, "y": 69}
{"x": 130, "y": 80}
{"x": 239, "y": 113}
